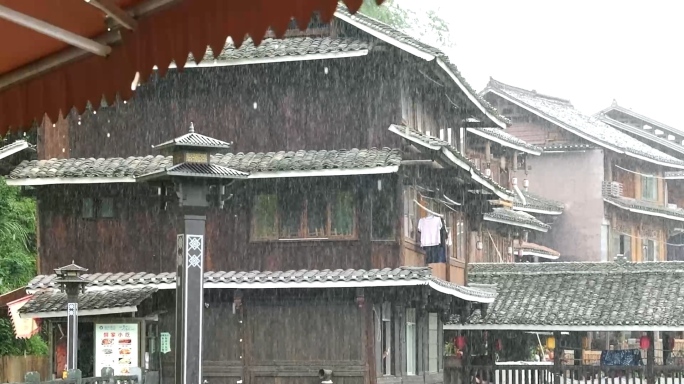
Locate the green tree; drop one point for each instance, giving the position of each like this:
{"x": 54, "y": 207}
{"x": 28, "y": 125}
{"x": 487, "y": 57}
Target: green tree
{"x": 17, "y": 261}
{"x": 426, "y": 26}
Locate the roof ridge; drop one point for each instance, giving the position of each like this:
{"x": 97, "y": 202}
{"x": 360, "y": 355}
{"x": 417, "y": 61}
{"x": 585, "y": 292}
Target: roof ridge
{"x": 498, "y": 85}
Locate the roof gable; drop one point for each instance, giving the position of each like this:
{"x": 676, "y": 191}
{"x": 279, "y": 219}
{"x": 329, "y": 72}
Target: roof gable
{"x": 424, "y": 51}
{"x": 563, "y": 114}
{"x": 651, "y": 130}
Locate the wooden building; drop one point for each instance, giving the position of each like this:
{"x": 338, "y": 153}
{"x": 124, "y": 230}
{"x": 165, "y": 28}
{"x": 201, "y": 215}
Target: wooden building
{"x": 345, "y": 136}
{"x": 669, "y": 140}
{"x": 514, "y": 231}
{"x": 610, "y": 183}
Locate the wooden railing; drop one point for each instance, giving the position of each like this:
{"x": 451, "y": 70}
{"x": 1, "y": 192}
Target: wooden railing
{"x": 546, "y": 374}
{"x": 90, "y": 380}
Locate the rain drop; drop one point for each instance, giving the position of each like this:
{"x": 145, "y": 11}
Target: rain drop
{"x": 54, "y": 125}
{"x": 255, "y": 105}
{"x": 325, "y": 70}
{"x": 94, "y": 112}
{"x": 63, "y": 150}
{"x": 79, "y": 122}
{"x": 107, "y": 134}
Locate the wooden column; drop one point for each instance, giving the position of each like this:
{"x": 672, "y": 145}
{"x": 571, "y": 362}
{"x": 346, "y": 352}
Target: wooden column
{"x": 650, "y": 359}
{"x": 557, "y": 358}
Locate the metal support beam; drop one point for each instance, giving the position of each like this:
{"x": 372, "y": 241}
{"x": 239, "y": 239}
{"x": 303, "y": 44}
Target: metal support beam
{"x": 53, "y": 31}
{"x": 116, "y": 13}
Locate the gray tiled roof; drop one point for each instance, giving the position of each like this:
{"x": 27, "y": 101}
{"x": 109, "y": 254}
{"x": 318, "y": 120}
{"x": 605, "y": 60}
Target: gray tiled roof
{"x": 538, "y": 203}
{"x": 198, "y": 170}
{"x": 617, "y": 294}
{"x": 404, "y": 38}
{"x": 437, "y": 142}
{"x": 647, "y": 134}
{"x": 506, "y": 137}
{"x": 510, "y": 217}
{"x": 645, "y": 207}
{"x": 288, "y": 47}
{"x": 53, "y": 301}
{"x": 13, "y": 148}
{"x": 245, "y": 162}
{"x": 255, "y": 279}
{"x": 563, "y": 113}
{"x": 196, "y": 140}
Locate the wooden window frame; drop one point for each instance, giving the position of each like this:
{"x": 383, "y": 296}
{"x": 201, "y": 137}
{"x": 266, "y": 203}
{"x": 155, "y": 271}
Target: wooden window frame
{"x": 655, "y": 188}
{"x": 436, "y": 344}
{"x": 416, "y": 215}
{"x": 303, "y": 233}
{"x": 413, "y": 323}
{"x": 644, "y": 246}
{"x": 97, "y": 208}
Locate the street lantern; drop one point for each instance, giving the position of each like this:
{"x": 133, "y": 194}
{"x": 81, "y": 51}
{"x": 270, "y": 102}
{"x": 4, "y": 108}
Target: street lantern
{"x": 194, "y": 176}
{"x": 70, "y": 281}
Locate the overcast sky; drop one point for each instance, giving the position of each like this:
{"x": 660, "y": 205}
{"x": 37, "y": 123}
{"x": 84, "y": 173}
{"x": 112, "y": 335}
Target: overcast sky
{"x": 590, "y": 52}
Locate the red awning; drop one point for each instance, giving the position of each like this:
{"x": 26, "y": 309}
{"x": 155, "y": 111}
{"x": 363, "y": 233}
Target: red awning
{"x": 41, "y": 75}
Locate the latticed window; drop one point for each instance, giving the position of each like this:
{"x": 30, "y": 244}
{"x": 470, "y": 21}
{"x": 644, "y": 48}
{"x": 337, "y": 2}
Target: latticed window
{"x": 296, "y": 214}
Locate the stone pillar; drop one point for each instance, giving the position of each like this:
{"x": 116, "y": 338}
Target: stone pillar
{"x": 190, "y": 300}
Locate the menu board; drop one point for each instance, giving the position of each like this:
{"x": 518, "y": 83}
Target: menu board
{"x": 116, "y": 346}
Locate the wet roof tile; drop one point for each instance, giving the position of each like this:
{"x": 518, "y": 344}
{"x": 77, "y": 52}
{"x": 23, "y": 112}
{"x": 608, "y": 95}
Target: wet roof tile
{"x": 247, "y": 279}
{"x": 562, "y": 112}
{"x": 54, "y": 301}
{"x": 515, "y": 218}
{"x": 251, "y": 162}
{"x": 582, "y": 294}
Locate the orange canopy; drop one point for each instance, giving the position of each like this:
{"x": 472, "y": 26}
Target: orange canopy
{"x": 37, "y": 76}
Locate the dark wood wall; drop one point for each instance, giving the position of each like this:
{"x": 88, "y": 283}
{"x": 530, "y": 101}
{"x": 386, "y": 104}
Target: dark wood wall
{"x": 279, "y": 337}
{"x": 141, "y": 236}
{"x": 267, "y": 107}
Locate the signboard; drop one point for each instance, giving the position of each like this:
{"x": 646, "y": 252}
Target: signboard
{"x": 116, "y": 346}
{"x": 165, "y": 342}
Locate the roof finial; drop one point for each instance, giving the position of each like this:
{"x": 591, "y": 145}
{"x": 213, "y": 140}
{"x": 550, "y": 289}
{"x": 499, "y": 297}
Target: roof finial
{"x": 192, "y": 127}
{"x": 614, "y": 103}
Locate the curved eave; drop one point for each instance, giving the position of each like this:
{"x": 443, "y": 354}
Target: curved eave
{"x": 540, "y": 211}
{"x": 515, "y": 223}
{"x": 578, "y": 132}
{"x": 505, "y": 143}
{"x": 532, "y": 252}
{"x": 644, "y": 211}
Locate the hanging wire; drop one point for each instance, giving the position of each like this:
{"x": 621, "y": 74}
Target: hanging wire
{"x": 639, "y": 173}
{"x": 650, "y": 238}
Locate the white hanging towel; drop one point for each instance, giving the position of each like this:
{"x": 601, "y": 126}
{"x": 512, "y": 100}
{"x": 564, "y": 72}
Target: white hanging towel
{"x": 429, "y": 231}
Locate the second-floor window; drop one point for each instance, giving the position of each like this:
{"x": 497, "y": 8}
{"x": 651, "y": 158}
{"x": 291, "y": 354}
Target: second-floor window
{"x": 649, "y": 188}
{"x": 297, "y": 214}
{"x": 92, "y": 208}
